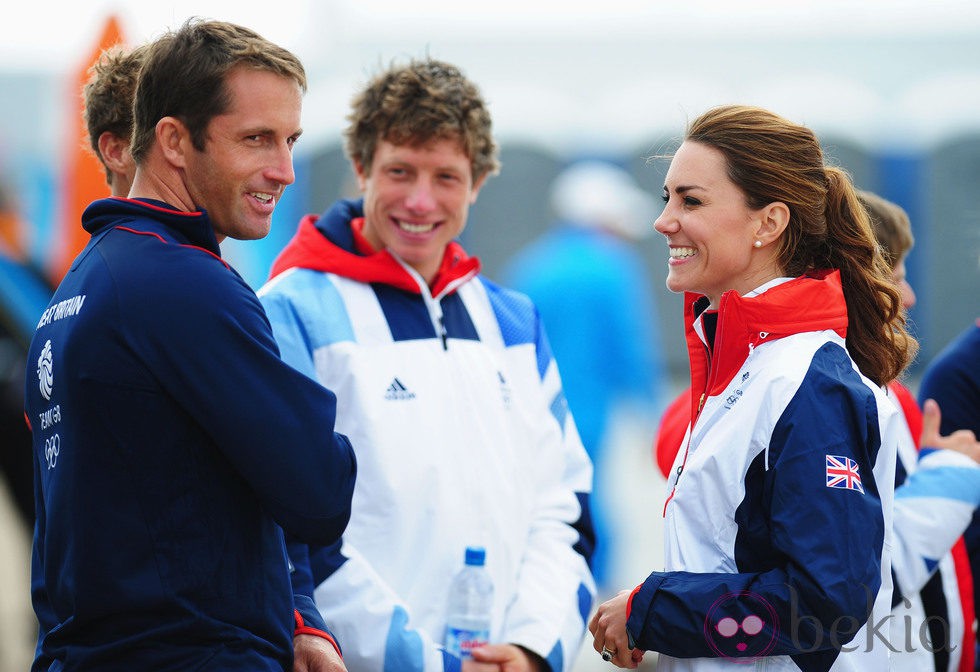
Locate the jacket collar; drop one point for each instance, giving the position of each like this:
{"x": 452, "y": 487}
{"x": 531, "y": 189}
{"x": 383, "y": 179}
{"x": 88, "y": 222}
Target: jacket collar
{"x": 333, "y": 244}
{"x": 812, "y": 302}
{"x": 186, "y": 228}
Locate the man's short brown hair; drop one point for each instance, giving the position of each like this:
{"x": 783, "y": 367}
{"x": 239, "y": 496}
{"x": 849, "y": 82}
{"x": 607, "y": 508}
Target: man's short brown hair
{"x": 108, "y": 95}
{"x": 891, "y": 226}
{"x": 418, "y": 102}
{"x": 185, "y": 75}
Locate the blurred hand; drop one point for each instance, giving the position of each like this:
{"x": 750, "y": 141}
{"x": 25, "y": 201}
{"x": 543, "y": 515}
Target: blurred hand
{"x": 505, "y": 658}
{"x": 962, "y": 440}
{"x": 315, "y": 654}
{"x": 470, "y": 665}
{"x": 608, "y": 627}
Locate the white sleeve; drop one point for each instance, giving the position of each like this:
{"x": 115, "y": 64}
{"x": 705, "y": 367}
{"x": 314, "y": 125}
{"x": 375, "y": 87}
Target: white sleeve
{"x": 933, "y": 507}
{"x": 372, "y": 624}
{"x": 555, "y": 586}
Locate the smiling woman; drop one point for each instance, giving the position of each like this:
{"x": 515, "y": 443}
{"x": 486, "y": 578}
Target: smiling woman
{"x": 788, "y": 462}
{"x": 715, "y": 239}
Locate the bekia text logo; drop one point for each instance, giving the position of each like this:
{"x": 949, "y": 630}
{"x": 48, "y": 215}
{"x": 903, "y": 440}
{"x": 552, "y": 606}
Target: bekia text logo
{"x": 741, "y": 626}
{"x": 45, "y": 374}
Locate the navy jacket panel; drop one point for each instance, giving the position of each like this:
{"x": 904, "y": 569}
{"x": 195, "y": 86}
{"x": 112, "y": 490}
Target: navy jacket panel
{"x": 164, "y": 467}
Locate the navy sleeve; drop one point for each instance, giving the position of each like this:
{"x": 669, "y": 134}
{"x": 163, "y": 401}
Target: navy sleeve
{"x": 207, "y": 338}
{"x": 953, "y": 380}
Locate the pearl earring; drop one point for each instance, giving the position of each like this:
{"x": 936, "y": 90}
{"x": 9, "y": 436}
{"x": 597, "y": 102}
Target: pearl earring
{"x": 757, "y": 243}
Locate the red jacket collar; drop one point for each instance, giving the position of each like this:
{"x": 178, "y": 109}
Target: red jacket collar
{"x": 309, "y": 248}
{"x": 809, "y": 303}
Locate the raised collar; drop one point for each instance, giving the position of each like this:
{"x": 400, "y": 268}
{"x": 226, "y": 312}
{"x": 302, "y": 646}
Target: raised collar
{"x": 333, "y": 244}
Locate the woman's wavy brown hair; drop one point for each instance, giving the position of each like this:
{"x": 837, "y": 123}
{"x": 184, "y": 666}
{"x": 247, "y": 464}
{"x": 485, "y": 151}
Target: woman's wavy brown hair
{"x": 772, "y": 159}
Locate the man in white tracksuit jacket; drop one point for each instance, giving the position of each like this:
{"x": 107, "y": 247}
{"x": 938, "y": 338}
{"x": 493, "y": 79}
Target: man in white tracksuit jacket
{"x": 448, "y": 391}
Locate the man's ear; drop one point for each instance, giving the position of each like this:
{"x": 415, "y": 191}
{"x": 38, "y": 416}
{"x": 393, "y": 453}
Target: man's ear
{"x": 477, "y": 185}
{"x": 113, "y": 151}
{"x": 774, "y": 218}
{"x": 360, "y": 174}
{"x": 174, "y": 140}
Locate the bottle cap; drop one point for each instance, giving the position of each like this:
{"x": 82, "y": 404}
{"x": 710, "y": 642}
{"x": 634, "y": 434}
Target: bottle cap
{"x": 475, "y": 555}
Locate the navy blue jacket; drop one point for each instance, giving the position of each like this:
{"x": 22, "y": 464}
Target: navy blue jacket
{"x": 171, "y": 442}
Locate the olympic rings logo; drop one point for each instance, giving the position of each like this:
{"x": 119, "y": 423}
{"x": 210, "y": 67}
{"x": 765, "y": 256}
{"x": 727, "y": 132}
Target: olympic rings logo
{"x": 52, "y": 448}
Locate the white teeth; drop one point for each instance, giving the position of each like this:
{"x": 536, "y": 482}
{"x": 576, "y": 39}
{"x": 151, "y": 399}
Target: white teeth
{"x": 265, "y": 198}
{"x": 415, "y": 228}
{"x": 682, "y": 252}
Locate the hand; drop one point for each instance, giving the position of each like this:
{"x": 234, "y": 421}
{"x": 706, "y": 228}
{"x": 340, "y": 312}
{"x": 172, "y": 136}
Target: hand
{"x": 505, "y": 658}
{"x": 315, "y": 654}
{"x": 608, "y": 627}
{"x": 962, "y": 440}
{"x": 470, "y": 665}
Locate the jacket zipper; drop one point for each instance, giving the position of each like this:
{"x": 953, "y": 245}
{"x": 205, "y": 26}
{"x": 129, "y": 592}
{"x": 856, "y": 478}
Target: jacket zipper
{"x": 697, "y": 414}
{"x": 432, "y": 305}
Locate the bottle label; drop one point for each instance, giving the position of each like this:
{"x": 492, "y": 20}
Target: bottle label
{"x": 462, "y": 641}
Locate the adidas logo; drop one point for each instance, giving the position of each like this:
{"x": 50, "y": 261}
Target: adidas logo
{"x": 398, "y": 392}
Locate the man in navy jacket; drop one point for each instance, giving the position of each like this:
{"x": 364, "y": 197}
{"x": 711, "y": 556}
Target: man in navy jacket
{"x": 170, "y": 440}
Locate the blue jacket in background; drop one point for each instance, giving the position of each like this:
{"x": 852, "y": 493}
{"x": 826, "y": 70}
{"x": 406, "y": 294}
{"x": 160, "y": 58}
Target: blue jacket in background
{"x": 594, "y": 295}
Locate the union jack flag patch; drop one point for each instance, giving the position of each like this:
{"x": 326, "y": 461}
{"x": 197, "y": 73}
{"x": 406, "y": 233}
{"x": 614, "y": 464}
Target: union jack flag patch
{"x": 842, "y": 472}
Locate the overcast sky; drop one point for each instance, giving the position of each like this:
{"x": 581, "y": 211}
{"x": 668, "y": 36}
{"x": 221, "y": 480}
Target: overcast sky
{"x": 50, "y": 34}
{"x": 612, "y": 70}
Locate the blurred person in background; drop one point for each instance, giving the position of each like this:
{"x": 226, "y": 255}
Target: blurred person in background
{"x": 108, "y": 112}
{"x": 590, "y": 284}
{"x": 170, "y": 440}
{"x": 448, "y": 389}
{"x": 778, "y": 521}
{"x": 952, "y": 379}
{"x": 24, "y": 293}
{"x": 936, "y": 493}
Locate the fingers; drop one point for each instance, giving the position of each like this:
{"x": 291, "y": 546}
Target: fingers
{"x": 965, "y": 435}
{"x": 931, "y": 420}
{"x": 471, "y": 665}
{"x": 497, "y": 653}
{"x": 608, "y": 628}
{"x": 963, "y": 441}
{"x": 625, "y": 658}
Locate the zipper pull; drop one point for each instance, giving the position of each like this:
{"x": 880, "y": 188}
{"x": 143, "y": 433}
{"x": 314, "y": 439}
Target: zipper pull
{"x": 701, "y": 402}
{"x": 443, "y": 334}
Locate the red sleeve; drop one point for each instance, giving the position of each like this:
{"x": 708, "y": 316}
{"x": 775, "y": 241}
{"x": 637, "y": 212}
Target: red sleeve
{"x": 910, "y": 408}
{"x": 673, "y": 426}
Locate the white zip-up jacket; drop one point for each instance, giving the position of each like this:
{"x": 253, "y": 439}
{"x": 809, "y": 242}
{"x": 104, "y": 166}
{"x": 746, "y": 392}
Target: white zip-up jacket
{"x": 454, "y": 406}
{"x": 778, "y": 522}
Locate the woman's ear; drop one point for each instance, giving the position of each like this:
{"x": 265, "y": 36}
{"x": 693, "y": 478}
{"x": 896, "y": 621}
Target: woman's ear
{"x": 774, "y": 219}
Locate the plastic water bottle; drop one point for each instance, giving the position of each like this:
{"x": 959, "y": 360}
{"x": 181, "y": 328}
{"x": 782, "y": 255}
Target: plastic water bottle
{"x": 470, "y": 605}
